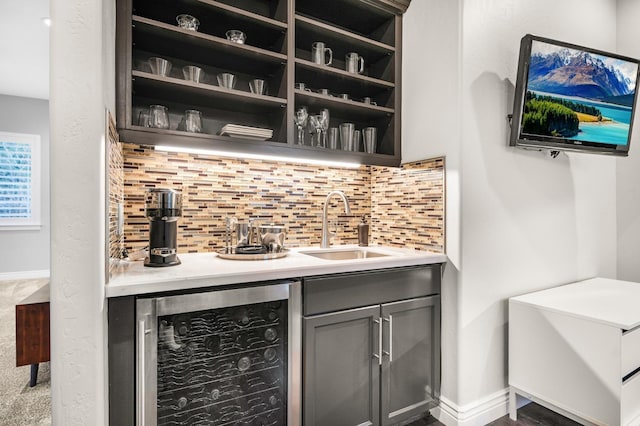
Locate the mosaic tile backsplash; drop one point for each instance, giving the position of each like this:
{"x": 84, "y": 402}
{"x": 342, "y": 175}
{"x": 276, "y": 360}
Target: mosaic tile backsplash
{"x": 404, "y": 205}
{"x": 116, "y": 193}
{"x": 407, "y": 205}
{"x": 215, "y": 187}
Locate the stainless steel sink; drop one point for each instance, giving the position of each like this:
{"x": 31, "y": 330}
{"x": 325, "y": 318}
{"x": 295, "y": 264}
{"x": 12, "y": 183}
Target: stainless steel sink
{"x": 344, "y": 254}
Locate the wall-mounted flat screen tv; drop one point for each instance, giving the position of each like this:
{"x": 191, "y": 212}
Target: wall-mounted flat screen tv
{"x": 569, "y": 97}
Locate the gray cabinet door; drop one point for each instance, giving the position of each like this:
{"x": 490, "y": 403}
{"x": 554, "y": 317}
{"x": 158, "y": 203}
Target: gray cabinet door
{"x": 411, "y": 361}
{"x": 341, "y": 375}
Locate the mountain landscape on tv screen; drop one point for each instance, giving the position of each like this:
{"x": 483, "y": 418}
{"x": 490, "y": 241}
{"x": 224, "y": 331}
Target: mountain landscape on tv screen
{"x": 572, "y": 72}
{"x": 575, "y": 95}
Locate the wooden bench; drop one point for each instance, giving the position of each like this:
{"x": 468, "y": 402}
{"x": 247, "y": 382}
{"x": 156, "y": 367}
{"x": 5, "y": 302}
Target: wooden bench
{"x": 32, "y": 331}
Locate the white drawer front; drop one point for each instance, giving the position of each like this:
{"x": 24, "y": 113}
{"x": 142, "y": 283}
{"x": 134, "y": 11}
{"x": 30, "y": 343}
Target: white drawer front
{"x": 630, "y": 351}
{"x": 631, "y": 401}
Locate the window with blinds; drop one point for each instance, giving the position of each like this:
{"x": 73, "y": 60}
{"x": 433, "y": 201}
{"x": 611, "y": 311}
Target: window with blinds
{"x": 19, "y": 181}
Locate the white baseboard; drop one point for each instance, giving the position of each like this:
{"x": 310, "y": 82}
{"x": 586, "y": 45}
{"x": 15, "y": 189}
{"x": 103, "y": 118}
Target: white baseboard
{"x": 477, "y": 413}
{"x": 24, "y": 275}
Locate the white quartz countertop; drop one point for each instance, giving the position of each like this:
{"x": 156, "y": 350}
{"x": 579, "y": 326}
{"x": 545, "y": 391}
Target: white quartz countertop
{"x": 200, "y": 270}
{"x": 607, "y": 301}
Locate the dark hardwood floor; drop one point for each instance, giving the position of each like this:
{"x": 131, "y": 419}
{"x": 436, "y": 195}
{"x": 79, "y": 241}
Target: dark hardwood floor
{"x": 530, "y": 415}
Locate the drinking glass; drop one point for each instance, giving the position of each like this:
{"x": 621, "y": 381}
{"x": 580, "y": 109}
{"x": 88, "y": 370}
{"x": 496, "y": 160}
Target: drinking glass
{"x": 258, "y": 86}
{"x": 188, "y": 22}
{"x": 226, "y": 80}
{"x": 357, "y": 137}
{"x": 324, "y": 125}
{"x": 193, "y": 121}
{"x": 236, "y": 36}
{"x": 369, "y": 135}
{"x": 316, "y": 123}
{"x": 192, "y": 73}
{"x": 346, "y": 136}
{"x": 333, "y": 138}
{"x": 158, "y": 117}
{"x": 301, "y": 118}
{"x": 159, "y": 66}
{"x": 143, "y": 118}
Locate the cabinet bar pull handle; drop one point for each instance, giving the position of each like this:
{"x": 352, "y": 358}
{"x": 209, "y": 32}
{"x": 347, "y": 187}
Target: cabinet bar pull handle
{"x": 379, "y": 354}
{"x": 141, "y": 372}
{"x": 390, "y": 353}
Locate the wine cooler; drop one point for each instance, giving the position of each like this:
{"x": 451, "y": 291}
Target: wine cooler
{"x": 227, "y": 358}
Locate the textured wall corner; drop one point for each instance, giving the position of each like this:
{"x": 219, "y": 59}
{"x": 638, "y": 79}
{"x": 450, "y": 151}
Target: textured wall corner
{"x": 408, "y": 205}
{"x": 116, "y": 193}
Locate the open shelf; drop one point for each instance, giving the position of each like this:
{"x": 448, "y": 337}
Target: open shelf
{"x": 359, "y": 79}
{"x": 357, "y": 16}
{"x": 309, "y": 30}
{"x": 148, "y": 136}
{"x": 203, "y": 94}
{"x": 155, "y": 34}
{"x": 278, "y": 50}
{"x": 275, "y": 10}
{"x": 272, "y": 74}
{"x": 356, "y": 109}
{"x": 215, "y": 19}
{"x": 244, "y": 15}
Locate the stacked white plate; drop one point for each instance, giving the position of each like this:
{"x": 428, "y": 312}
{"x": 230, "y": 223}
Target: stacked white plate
{"x": 246, "y": 132}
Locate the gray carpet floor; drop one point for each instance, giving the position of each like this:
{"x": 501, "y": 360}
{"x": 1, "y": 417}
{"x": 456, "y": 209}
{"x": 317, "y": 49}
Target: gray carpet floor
{"x": 20, "y": 405}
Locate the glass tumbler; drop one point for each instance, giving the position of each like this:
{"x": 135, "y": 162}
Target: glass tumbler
{"x": 369, "y": 134}
{"x": 258, "y": 86}
{"x": 333, "y": 138}
{"x": 192, "y": 73}
{"x": 357, "y": 140}
{"x": 158, "y": 116}
{"x": 347, "y": 131}
{"x": 192, "y": 121}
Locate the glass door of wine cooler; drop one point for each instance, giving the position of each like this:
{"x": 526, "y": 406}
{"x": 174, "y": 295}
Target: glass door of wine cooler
{"x": 227, "y": 358}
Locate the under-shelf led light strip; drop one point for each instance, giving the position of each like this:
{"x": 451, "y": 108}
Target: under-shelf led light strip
{"x": 242, "y": 155}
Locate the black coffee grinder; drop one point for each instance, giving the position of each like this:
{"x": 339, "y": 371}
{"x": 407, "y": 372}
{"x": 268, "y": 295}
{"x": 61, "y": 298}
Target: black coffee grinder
{"x": 163, "y": 207}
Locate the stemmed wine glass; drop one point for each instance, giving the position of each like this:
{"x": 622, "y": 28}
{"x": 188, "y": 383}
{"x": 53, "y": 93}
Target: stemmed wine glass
{"x": 301, "y": 119}
{"x": 316, "y": 123}
{"x": 324, "y": 126}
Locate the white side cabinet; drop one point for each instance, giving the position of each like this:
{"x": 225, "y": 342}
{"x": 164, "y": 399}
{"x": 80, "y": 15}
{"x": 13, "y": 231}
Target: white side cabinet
{"x": 576, "y": 350}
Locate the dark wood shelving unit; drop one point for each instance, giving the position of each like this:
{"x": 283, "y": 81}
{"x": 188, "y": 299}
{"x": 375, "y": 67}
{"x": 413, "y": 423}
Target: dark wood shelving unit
{"x": 202, "y": 94}
{"x": 333, "y": 35}
{"x": 242, "y": 14}
{"x": 278, "y": 50}
{"x": 356, "y": 79}
{"x": 215, "y": 45}
{"x": 356, "y": 109}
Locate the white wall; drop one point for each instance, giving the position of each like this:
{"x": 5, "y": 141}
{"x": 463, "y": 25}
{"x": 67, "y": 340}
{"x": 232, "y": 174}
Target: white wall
{"x": 26, "y": 253}
{"x": 628, "y": 169}
{"x": 526, "y": 221}
{"x": 431, "y": 67}
{"x": 82, "y": 85}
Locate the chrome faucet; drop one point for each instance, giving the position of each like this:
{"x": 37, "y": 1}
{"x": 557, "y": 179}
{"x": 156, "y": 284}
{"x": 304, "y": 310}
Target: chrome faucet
{"x": 326, "y": 235}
